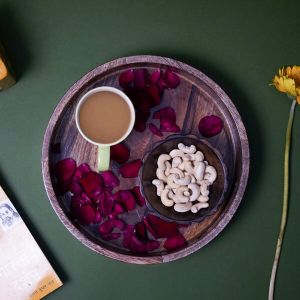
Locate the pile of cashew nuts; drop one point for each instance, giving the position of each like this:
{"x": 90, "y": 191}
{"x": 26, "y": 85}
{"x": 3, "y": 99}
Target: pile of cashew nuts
{"x": 183, "y": 179}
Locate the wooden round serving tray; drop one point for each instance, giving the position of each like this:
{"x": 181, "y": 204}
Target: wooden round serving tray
{"x": 195, "y": 97}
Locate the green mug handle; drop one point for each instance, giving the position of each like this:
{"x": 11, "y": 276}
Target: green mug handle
{"x": 103, "y": 158}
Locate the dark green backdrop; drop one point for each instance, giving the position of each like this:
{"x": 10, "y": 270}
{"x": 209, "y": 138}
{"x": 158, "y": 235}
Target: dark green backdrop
{"x": 240, "y": 45}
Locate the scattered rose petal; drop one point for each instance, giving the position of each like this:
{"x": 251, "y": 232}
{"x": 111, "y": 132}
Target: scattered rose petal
{"x": 126, "y": 78}
{"x": 119, "y": 153}
{"x": 97, "y": 218}
{"x": 155, "y": 130}
{"x": 153, "y": 95}
{"x": 126, "y": 197}
{"x": 139, "y": 79}
{"x": 92, "y": 183}
{"x": 65, "y": 169}
{"x": 139, "y": 125}
{"x": 160, "y": 228}
{"x": 210, "y": 126}
{"x": 171, "y": 79}
{"x": 117, "y": 210}
{"x": 112, "y": 236}
{"x": 154, "y": 76}
{"x": 161, "y": 84}
{"x": 140, "y": 200}
{"x": 140, "y": 231}
{"x": 82, "y": 169}
{"x": 175, "y": 242}
{"x": 85, "y": 213}
{"x": 75, "y": 187}
{"x": 131, "y": 169}
{"x": 143, "y": 110}
{"x": 167, "y": 126}
{"x": 110, "y": 179}
{"x": 109, "y": 225}
{"x": 105, "y": 203}
{"x": 152, "y": 245}
{"x": 165, "y": 113}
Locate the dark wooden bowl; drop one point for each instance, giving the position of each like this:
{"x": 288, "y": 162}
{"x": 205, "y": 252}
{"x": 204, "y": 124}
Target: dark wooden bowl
{"x": 217, "y": 190}
{"x": 195, "y": 97}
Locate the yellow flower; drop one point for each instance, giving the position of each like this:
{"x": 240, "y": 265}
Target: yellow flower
{"x": 288, "y": 81}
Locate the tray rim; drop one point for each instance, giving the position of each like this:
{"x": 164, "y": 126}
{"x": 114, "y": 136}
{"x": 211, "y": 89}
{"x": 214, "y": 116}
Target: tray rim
{"x": 225, "y": 216}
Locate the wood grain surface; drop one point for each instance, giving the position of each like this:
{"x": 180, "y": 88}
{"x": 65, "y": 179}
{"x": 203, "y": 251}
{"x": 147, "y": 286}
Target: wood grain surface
{"x": 195, "y": 97}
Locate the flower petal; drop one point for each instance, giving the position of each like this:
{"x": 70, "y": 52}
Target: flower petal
{"x": 126, "y": 78}
{"x": 176, "y": 242}
{"x": 119, "y": 153}
{"x": 160, "y": 228}
{"x": 171, "y": 79}
{"x": 155, "y": 130}
{"x": 92, "y": 183}
{"x": 65, "y": 169}
{"x": 111, "y": 236}
{"x": 82, "y": 169}
{"x": 117, "y": 210}
{"x": 153, "y": 95}
{"x": 139, "y": 79}
{"x": 109, "y": 225}
{"x": 105, "y": 204}
{"x": 167, "y": 125}
{"x": 84, "y": 213}
{"x": 110, "y": 179}
{"x": 210, "y": 126}
{"x": 140, "y": 231}
{"x": 140, "y": 200}
{"x": 126, "y": 197}
{"x": 165, "y": 113}
{"x": 154, "y": 76}
{"x": 131, "y": 169}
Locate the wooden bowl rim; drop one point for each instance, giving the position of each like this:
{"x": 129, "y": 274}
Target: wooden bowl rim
{"x": 226, "y": 214}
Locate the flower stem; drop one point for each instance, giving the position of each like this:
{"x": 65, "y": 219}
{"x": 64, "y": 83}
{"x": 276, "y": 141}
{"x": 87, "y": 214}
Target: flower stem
{"x": 285, "y": 200}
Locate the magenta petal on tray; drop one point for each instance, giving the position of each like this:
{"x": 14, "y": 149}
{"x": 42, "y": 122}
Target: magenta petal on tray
{"x": 119, "y": 153}
{"x": 126, "y": 198}
{"x": 109, "y": 225}
{"x": 160, "y": 228}
{"x": 171, "y": 79}
{"x": 154, "y": 76}
{"x": 116, "y": 210}
{"x": 143, "y": 110}
{"x": 97, "y": 218}
{"x": 210, "y": 126}
{"x": 155, "y": 130}
{"x": 112, "y": 236}
{"x": 105, "y": 203}
{"x": 75, "y": 187}
{"x": 110, "y": 179}
{"x": 139, "y": 79}
{"x": 82, "y": 169}
{"x": 165, "y": 113}
{"x": 65, "y": 169}
{"x": 168, "y": 126}
{"x": 131, "y": 169}
{"x": 126, "y": 78}
{"x": 175, "y": 242}
{"x": 92, "y": 183}
{"x": 140, "y": 200}
{"x": 140, "y": 231}
{"x": 85, "y": 213}
{"x": 153, "y": 95}
{"x": 161, "y": 84}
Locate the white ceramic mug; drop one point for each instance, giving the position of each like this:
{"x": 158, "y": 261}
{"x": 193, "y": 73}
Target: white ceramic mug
{"x": 104, "y": 149}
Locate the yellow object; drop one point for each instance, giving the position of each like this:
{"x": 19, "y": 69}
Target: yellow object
{"x": 288, "y": 81}
{"x": 6, "y": 77}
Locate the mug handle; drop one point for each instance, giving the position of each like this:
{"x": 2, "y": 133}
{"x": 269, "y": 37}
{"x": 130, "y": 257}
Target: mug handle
{"x": 103, "y": 158}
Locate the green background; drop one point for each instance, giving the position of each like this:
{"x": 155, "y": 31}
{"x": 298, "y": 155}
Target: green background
{"x": 240, "y": 45}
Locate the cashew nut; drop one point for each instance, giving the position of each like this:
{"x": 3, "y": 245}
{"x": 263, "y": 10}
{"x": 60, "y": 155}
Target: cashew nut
{"x": 176, "y": 162}
{"x": 189, "y": 167}
{"x": 195, "y": 188}
{"x": 210, "y": 174}
{"x": 171, "y": 183}
{"x": 159, "y": 186}
{"x": 199, "y": 170}
{"x": 193, "y": 179}
{"x": 187, "y": 149}
{"x": 161, "y": 175}
{"x": 183, "y": 207}
{"x": 182, "y": 181}
{"x": 202, "y": 198}
{"x": 196, "y": 207}
{"x": 165, "y": 198}
{"x": 204, "y": 190}
{"x": 186, "y": 193}
{"x": 161, "y": 161}
{"x": 182, "y": 166}
{"x": 180, "y": 195}
{"x": 177, "y": 171}
{"x": 198, "y": 156}
{"x": 168, "y": 168}
{"x": 176, "y": 152}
